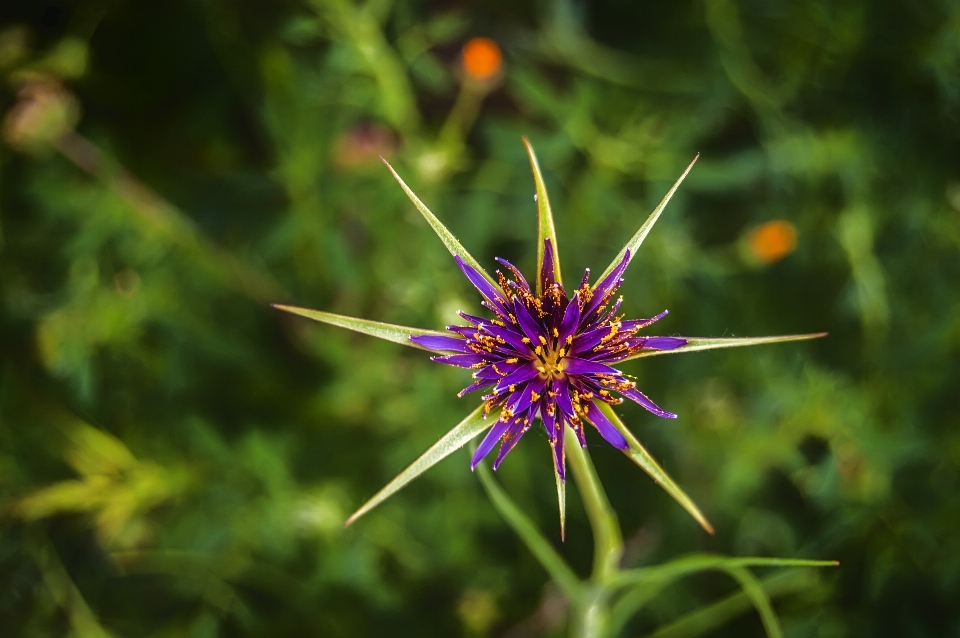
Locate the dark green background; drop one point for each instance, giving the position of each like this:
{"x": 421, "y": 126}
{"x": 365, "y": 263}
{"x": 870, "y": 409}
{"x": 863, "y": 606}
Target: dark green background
{"x": 176, "y": 458}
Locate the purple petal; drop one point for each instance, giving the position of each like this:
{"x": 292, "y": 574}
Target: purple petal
{"x": 663, "y": 343}
{"x": 473, "y": 319}
{"x": 461, "y": 360}
{"x": 547, "y": 276}
{"x": 488, "y": 442}
{"x": 521, "y": 400}
{"x": 476, "y": 385}
{"x": 559, "y": 455}
{"x": 576, "y": 366}
{"x": 434, "y": 342}
{"x": 518, "y": 427}
{"x": 525, "y": 372}
{"x": 488, "y": 290}
{"x": 562, "y": 390}
{"x": 586, "y": 341}
{"x": 512, "y": 337}
{"x": 571, "y": 318}
{"x": 496, "y": 371}
{"x": 607, "y": 430}
{"x": 606, "y": 287}
{"x": 635, "y": 395}
{"x": 638, "y": 324}
{"x": 528, "y": 324}
{"x": 518, "y": 277}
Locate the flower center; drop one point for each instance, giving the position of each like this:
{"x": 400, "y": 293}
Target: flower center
{"x": 551, "y": 361}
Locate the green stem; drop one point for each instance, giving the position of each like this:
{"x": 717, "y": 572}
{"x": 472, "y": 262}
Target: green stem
{"x": 590, "y": 613}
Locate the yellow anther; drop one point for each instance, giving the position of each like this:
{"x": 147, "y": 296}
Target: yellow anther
{"x": 538, "y": 350}
{"x": 604, "y": 393}
{"x": 525, "y": 340}
{"x": 512, "y": 387}
{"x": 569, "y": 339}
{"x": 534, "y": 396}
{"x": 542, "y": 340}
{"x": 556, "y": 333}
{"x": 512, "y": 360}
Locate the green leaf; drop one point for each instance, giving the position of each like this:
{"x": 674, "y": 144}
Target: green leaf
{"x": 646, "y": 583}
{"x": 754, "y": 590}
{"x": 641, "y": 457}
{"x": 698, "y": 343}
{"x": 545, "y": 228}
{"x": 641, "y": 234}
{"x": 709, "y": 618}
{"x": 699, "y": 562}
{"x": 386, "y": 331}
{"x": 452, "y": 441}
{"x": 454, "y": 246}
{"x": 541, "y": 548}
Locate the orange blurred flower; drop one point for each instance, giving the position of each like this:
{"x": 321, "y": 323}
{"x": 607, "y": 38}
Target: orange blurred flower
{"x": 773, "y": 240}
{"x": 481, "y": 59}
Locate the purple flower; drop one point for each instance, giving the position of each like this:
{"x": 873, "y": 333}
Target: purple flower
{"x": 548, "y": 355}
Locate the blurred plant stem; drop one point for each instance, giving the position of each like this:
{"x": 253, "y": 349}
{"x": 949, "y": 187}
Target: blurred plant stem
{"x": 163, "y": 218}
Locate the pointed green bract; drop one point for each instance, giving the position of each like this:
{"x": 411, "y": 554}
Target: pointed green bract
{"x": 641, "y": 234}
{"x": 452, "y": 441}
{"x": 541, "y": 548}
{"x": 639, "y": 455}
{"x": 562, "y": 503}
{"x": 545, "y": 228}
{"x": 455, "y": 247}
{"x": 698, "y": 343}
{"x": 386, "y": 331}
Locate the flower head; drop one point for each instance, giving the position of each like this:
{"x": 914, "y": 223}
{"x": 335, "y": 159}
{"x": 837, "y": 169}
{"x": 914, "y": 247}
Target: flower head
{"x": 548, "y": 355}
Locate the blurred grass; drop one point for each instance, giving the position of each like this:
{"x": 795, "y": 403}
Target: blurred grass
{"x": 176, "y": 458}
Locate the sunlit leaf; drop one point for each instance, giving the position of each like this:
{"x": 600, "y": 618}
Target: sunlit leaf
{"x": 386, "y": 331}
{"x": 449, "y": 443}
{"x": 545, "y": 228}
{"x": 641, "y": 457}
{"x": 541, "y": 548}
{"x": 641, "y": 234}
{"x": 454, "y": 246}
{"x": 699, "y": 343}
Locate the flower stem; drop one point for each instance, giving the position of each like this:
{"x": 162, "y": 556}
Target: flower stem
{"x": 589, "y": 614}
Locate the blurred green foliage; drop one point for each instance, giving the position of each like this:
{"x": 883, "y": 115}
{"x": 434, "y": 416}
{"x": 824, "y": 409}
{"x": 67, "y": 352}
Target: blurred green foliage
{"x": 176, "y": 458}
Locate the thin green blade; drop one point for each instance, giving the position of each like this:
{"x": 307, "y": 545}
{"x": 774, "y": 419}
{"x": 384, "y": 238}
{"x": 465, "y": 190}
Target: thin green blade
{"x": 562, "y": 503}
{"x": 539, "y": 546}
{"x": 641, "y": 234}
{"x": 545, "y": 228}
{"x": 455, "y": 247}
{"x": 698, "y": 343}
{"x": 639, "y": 455}
{"x": 692, "y": 563}
{"x": 386, "y": 331}
{"x": 452, "y": 441}
{"x": 754, "y": 590}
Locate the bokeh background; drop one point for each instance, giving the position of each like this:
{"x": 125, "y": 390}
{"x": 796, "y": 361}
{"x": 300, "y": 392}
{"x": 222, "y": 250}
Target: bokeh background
{"x": 177, "y": 458}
